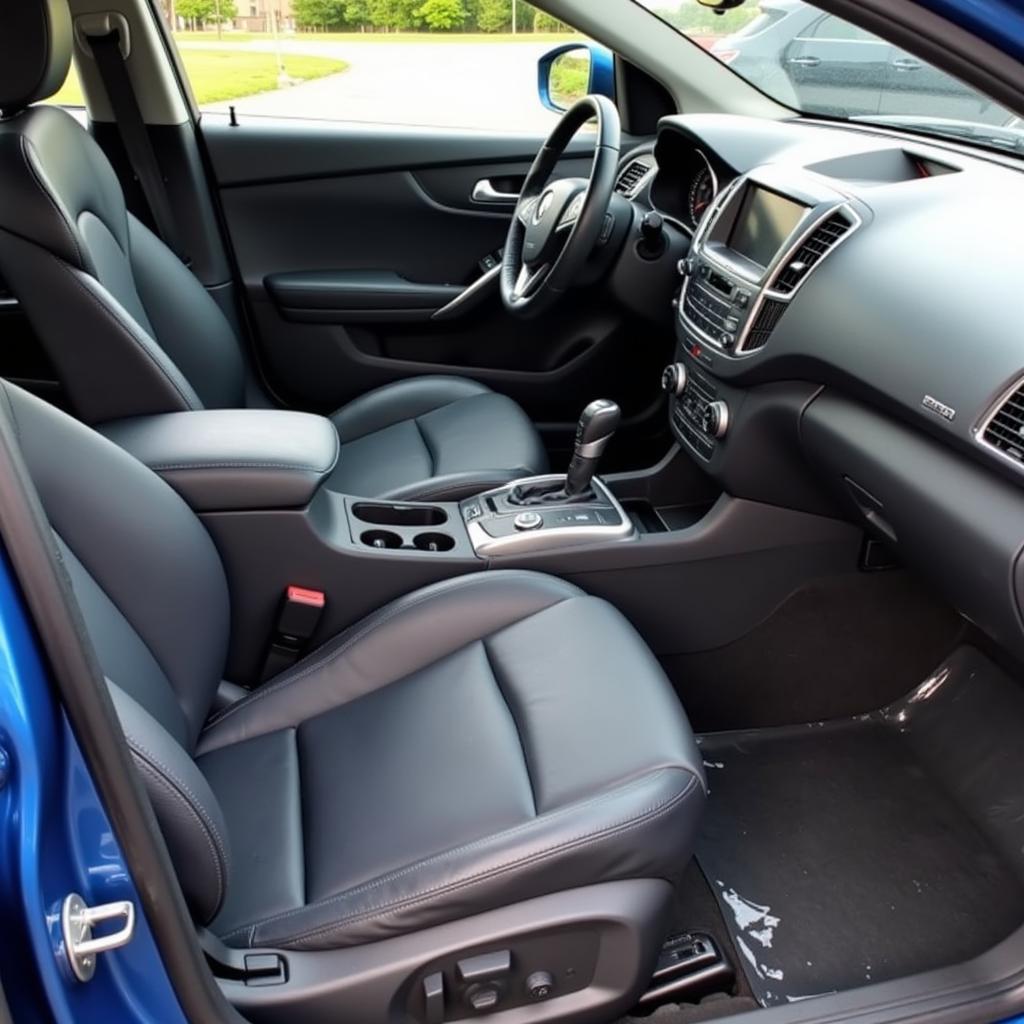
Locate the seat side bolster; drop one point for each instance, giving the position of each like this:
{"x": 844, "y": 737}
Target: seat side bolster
{"x": 394, "y": 642}
{"x": 189, "y": 815}
{"x": 634, "y": 830}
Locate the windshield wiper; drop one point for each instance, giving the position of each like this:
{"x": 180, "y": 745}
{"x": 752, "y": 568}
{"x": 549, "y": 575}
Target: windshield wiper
{"x": 1009, "y": 138}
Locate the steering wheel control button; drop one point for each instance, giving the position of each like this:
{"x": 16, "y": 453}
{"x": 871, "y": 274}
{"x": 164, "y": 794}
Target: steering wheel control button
{"x": 540, "y": 985}
{"x": 528, "y": 521}
{"x": 673, "y": 379}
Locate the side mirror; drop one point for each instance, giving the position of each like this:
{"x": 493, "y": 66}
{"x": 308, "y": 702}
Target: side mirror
{"x": 573, "y": 70}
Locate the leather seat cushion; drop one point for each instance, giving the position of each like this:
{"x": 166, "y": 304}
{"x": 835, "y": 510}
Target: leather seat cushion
{"x": 478, "y": 743}
{"x": 433, "y": 438}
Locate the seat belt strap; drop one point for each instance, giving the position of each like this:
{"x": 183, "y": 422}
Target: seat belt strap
{"x": 135, "y": 138}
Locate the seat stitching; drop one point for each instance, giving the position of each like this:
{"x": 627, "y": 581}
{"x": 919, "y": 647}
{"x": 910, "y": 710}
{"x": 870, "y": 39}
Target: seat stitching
{"x": 49, "y": 196}
{"x": 168, "y": 466}
{"x": 186, "y": 791}
{"x": 343, "y": 642}
{"x": 153, "y": 773}
{"x": 431, "y": 456}
{"x": 643, "y": 817}
{"x": 515, "y": 722}
{"x": 465, "y": 848}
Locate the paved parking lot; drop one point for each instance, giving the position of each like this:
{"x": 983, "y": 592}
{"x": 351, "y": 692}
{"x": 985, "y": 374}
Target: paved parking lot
{"x": 452, "y": 85}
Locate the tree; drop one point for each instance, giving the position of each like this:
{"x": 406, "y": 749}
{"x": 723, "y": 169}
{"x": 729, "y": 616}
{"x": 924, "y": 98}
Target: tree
{"x": 544, "y": 22}
{"x": 442, "y": 15}
{"x": 318, "y": 14}
{"x": 494, "y": 15}
{"x": 225, "y": 10}
{"x": 195, "y": 12}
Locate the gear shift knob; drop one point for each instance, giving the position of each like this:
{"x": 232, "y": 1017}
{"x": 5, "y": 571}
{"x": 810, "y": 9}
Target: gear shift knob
{"x": 596, "y": 427}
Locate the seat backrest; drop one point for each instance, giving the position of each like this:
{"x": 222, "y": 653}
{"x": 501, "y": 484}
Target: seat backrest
{"x": 128, "y": 327}
{"x": 153, "y": 594}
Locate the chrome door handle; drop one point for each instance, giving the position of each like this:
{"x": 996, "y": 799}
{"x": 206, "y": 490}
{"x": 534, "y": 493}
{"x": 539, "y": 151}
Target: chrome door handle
{"x": 904, "y": 64}
{"x": 485, "y": 192}
{"x": 804, "y": 62}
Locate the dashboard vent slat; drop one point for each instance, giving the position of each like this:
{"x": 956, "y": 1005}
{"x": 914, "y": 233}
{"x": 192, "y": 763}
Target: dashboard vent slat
{"x": 814, "y": 248}
{"x": 631, "y": 176}
{"x": 1005, "y": 429}
{"x": 765, "y": 322}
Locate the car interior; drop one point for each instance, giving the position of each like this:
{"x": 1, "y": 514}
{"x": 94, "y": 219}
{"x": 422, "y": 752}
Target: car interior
{"x": 593, "y": 598}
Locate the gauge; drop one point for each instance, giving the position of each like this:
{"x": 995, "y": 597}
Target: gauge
{"x": 703, "y": 188}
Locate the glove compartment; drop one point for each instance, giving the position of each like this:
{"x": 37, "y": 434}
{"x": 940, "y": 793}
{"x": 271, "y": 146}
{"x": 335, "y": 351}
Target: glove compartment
{"x": 951, "y": 519}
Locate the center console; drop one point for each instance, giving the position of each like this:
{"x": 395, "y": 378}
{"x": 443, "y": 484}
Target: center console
{"x": 758, "y": 243}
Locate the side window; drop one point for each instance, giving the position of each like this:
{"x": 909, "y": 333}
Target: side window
{"x": 831, "y": 27}
{"x": 70, "y": 93}
{"x": 434, "y": 63}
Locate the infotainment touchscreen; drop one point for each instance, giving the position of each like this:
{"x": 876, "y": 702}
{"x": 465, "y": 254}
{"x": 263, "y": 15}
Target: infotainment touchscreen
{"x": 764, "y": 223}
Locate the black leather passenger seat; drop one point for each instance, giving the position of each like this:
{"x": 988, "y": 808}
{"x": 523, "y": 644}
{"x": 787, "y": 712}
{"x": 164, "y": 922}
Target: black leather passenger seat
{"x": 132, "y": 332}
{"x": 490, "y": 741}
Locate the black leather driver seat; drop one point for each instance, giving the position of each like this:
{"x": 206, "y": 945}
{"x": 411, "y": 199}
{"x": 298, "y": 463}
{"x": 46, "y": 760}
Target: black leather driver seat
{"x": 489, "y": 740}
{"x": 131, "y": 331}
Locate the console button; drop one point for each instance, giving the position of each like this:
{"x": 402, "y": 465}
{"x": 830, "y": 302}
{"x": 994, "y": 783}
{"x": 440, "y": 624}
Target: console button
{"x": 716, "y": 419}
{"x": 743, "y": 299}
{"x": 528, "y": 521}
{"x": 483, "y": 998}
{"x": 540, "y": 985}
{"x": 731, "y": 323}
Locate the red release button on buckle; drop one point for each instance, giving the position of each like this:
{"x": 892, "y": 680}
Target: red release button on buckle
{"x": 300, "y": 595}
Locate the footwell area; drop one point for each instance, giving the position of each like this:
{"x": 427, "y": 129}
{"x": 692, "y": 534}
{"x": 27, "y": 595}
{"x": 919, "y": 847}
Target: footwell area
{"x": 847, "y": 853}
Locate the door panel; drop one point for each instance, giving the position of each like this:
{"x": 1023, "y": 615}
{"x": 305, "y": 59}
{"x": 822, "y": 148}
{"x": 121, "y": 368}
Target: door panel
{"x": 331, "y": 216}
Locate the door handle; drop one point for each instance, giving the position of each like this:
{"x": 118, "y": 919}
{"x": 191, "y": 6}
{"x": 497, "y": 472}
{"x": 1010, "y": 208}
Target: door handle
{"x": 485, "y": 192}
{"x": 904, "y": 64}
{"x": 804, "y": 62}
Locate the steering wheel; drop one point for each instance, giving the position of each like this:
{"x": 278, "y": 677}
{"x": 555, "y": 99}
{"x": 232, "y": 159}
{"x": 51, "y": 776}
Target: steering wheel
{"x": 557, "y": 225}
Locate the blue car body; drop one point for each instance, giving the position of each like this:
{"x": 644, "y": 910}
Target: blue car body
{"x": 56, "y": 837}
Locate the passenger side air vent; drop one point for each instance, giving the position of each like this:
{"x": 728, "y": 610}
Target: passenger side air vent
{"x": 815, "y": 247}
{"x": 631, "y": 176}
{"x": 765, "y": 322}
{"x": 1004, "y": 430}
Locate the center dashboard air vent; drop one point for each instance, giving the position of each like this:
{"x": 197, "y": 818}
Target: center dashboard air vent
{"x": 813, "y": 249}
{"x": 632, "y": 175}
{"x": 1004, "y": 428}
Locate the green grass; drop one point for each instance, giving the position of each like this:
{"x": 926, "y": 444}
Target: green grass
{"x": 381, "y": 37}
{"x": 228, "y": 74}
{"x": 570, "y": 77}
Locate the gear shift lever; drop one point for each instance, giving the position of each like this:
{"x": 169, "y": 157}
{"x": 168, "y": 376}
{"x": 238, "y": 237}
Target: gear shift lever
{"x": 594, "y": 431}
{"x": 596, "y": 428}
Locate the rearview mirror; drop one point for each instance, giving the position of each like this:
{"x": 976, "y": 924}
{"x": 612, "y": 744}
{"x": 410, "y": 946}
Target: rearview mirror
{"x": 721, "y": 6}
{"x": 569, "y": 72}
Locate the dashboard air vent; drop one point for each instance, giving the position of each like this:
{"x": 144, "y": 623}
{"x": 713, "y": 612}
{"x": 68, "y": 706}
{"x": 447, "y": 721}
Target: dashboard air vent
{"x": 813, "y": 250}
{"x": 631, "y": 176}
{"x": 767, "y": 318}
{"x": 1005, "y": 429}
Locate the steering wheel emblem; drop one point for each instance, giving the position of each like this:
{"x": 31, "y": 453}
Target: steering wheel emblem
{"x": 543, "y": 205}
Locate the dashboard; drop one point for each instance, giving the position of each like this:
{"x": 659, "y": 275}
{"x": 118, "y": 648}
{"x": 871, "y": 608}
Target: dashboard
{"x": 847, "y": 324}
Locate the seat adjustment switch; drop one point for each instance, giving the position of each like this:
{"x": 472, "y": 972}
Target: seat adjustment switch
{"x": 485, "y": 967}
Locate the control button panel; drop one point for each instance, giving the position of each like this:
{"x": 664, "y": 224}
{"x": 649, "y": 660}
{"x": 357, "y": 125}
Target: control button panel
{"x": 714, "y": 306}
{"x": 700, "y": 416}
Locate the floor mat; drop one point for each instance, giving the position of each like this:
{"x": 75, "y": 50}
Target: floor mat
{"x": 839, "y": 859}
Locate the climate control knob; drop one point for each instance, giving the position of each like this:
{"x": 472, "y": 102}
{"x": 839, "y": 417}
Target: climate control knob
{"x": 673, "y": 379}
{"x": 716, "y": 419}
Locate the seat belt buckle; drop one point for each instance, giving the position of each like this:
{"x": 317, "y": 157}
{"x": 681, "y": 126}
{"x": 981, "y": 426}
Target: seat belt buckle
{"x": 297, "y": 620}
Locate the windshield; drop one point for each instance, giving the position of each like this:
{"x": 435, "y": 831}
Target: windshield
{"x": 820, "y": 64}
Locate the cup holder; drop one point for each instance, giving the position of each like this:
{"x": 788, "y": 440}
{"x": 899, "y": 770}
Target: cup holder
{"x": 434, "y": 542}
{"x": 399, "y": 515}
{"x": 381, "y": 539}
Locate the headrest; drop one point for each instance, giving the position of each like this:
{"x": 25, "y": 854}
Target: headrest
{"x": 35, "y": 51}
